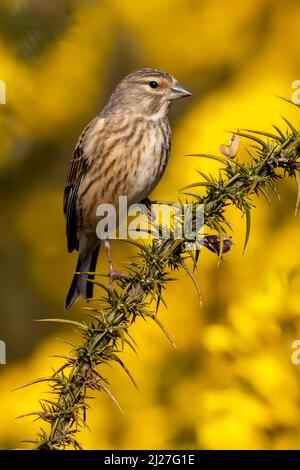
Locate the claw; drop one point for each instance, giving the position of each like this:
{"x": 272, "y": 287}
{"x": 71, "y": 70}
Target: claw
{"x": 114, "y": 275}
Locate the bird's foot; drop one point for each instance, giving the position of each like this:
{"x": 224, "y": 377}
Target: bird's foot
{"x": 114, "y": 275}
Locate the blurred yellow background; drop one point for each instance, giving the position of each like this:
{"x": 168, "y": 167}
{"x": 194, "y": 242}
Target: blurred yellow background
{"x": 231, "y": 383}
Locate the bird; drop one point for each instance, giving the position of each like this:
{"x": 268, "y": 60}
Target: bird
{"x": 123, "y": 151}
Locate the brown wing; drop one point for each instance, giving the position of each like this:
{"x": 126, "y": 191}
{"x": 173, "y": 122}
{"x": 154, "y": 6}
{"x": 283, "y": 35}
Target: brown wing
{"x": 77, "y": 169}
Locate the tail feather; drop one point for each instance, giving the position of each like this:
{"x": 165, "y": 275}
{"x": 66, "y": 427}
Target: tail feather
{"x": 80, "y": 285}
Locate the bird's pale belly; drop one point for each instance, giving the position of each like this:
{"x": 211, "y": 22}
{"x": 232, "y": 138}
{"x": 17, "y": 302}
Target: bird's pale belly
{"x": 147, "y": 174}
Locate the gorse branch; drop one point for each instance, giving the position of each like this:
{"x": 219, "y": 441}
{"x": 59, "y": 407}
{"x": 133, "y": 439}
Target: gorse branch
{"x": 272, "y": 156}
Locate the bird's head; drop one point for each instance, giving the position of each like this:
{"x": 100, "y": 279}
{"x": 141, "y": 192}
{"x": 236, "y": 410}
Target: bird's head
{"x": 146, "y": 92}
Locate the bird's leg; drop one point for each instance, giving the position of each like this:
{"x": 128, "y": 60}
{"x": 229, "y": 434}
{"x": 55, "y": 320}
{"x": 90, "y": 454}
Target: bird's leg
{"x": 113, "y": 273}
{"x": 148, "y": 204}
{"x": 110, "y": 265}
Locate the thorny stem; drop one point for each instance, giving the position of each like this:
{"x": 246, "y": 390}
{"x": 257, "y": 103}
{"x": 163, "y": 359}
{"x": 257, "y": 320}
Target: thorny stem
{"x": 272, "y": 157}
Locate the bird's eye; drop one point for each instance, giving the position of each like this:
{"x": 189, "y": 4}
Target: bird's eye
{"x": 153, "y": 84}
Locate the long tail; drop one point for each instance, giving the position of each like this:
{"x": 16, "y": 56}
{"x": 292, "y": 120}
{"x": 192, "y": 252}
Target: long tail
{"x": 80, "y": 285}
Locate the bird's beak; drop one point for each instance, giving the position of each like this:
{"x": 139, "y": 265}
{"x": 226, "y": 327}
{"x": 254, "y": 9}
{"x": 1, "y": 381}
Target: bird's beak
{"x": 177, "y": 91}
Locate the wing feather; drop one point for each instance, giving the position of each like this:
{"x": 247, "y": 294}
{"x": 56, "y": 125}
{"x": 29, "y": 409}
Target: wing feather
{"x": 78, "y": 167}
